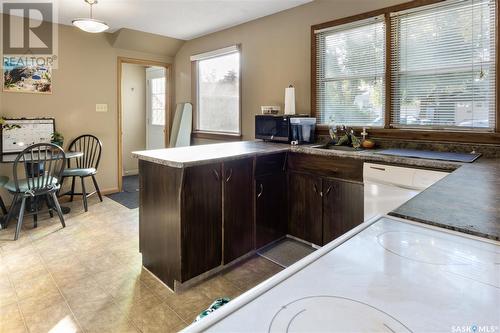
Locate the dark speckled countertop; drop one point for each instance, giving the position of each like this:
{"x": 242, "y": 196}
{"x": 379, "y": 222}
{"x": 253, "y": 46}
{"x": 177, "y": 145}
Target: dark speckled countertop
{"x": 467, "y": 200}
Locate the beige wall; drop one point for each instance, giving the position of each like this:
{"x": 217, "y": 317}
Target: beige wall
{"x": 276, "y": 52}
{"x": 134, "y": 114}
{"x": 87, "y": 75}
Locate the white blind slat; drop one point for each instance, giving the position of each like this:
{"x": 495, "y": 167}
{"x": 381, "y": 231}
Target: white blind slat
{"x": 350, "y": 73}
{"x": 443, "y": 66}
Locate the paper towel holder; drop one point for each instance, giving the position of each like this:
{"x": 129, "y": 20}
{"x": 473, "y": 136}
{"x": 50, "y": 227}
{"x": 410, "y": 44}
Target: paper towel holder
{"x": 290, "y": 100}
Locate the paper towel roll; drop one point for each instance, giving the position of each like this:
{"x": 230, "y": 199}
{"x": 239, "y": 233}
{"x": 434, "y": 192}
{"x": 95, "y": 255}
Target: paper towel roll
{"x": 290, "y": 100}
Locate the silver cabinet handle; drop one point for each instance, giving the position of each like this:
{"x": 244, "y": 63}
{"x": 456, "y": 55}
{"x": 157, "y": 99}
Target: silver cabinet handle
{"x": 328, "y": 191}
{"x": 315, "y": 188}
{"x": 216, "y": 174}
{"x": 261, "y": 190}
{"x": 377, "y": 168}
{"x": 230, "y": 175}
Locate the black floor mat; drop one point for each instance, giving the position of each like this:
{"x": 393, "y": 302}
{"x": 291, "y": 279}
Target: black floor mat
{"x": 129, "y": 197}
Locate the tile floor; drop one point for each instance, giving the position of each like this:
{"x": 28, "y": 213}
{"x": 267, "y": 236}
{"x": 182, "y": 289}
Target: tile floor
{"x": 88, "y": 277}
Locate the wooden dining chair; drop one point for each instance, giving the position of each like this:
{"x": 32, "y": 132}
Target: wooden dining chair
{"x": 43, "y": 166}
{"x": 85, "y": 166}
{"x": 3, "y": 181}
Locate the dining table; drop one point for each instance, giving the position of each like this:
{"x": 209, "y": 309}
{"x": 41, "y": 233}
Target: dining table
{"x": 10, "y": 158}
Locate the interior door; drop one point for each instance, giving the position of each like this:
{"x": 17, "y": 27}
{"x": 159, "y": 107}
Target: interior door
{"x": 155, "y": 105}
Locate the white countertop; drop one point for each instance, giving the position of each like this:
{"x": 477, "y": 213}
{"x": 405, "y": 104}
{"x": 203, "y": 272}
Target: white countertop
{"x": 391, "y": 276}
{"x": 203, "y": 154}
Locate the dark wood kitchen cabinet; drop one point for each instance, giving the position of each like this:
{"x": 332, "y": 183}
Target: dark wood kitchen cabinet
{"x": 180, "y": 220}
{"x": 201, "y": 215}
{"x": 271, "y": 208}
{"x": 197, "y": 218}
{"x": 238, "y": 208}
{"x": 271, "y": 213}
{"x": 343, "y": 207}
{"x": 305, "y": 212}
{"x": 326, "y": 197}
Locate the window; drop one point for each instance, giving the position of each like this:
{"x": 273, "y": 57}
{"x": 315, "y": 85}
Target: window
{"x": 158, "y": 101}
{"x": 440, "y": 74}
{"x": 218, "y": 91}
{"x": 443, "y": 66}
{"x": 350, "y": 73}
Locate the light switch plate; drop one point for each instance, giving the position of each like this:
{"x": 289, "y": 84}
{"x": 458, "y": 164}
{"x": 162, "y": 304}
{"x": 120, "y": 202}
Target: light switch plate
{"x": 101, "y": 108}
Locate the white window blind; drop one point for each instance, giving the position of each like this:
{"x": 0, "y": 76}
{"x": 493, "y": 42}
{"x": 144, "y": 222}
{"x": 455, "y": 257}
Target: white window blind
{"x": 350, "y": 73}
{"x": 443, "y": 66}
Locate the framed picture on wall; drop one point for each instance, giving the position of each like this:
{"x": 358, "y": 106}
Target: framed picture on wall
{"x": 23, "y": 77}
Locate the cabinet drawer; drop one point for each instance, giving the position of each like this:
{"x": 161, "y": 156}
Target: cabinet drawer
{"x": 328, "y": 166}
{"x": 269, "y": 164}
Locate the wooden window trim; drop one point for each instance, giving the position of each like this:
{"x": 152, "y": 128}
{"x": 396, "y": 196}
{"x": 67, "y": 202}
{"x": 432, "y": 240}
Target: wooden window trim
{"x": 200, "y": 134}
{"x": 216, "y": 136}
{"x": 400, "y": 133}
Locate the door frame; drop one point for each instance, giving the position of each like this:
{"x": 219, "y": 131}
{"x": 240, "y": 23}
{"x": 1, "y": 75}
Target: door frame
{"x": 168, "y": 100}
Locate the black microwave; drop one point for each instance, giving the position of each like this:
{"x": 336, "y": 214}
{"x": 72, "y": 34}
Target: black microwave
{"x": 289, "y": 129}
{"x": 273, "y": 128}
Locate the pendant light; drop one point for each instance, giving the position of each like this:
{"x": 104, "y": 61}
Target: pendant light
{"x": 90, "y": 24}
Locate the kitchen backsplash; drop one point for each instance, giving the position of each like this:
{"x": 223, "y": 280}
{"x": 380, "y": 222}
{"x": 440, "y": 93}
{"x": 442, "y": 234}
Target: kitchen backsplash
{"x": 487, "y": 150}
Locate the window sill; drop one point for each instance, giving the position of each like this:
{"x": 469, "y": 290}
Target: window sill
{"x": 216, "y": 136}
{"x": 425, "y": 135}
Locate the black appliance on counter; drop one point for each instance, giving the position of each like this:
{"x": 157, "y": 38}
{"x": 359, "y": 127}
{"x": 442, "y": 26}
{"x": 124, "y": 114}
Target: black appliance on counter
{"x": 287, "y": 129}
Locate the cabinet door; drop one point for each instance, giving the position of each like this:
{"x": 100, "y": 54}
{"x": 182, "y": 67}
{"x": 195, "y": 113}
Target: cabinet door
{"x": 201, "y": 241}
{"x": 343, "y": 207}
{"x": 270, "y": 164}
{"x": 239, "y": 231}
{"x": 271, "y": 208}
{"x": 305, "y": 207}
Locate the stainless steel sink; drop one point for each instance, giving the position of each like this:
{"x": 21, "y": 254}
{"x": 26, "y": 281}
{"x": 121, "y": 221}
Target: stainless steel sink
{"x": 341, "y": 148}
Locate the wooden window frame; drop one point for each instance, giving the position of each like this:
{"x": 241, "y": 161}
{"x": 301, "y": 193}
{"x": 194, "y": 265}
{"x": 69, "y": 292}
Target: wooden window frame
{"x": 387, "y": 132}
{"x": 219, "y": 136}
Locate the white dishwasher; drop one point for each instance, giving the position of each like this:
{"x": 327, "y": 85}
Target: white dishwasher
{"x": 388, "y": 187}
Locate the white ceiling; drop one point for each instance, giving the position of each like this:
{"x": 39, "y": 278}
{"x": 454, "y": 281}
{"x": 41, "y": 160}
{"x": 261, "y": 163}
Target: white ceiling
{"x": 183, "y": 19}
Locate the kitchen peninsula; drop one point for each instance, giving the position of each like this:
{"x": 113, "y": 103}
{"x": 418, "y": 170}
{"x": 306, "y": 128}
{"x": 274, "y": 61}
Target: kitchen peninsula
{"x": 203, "y": 208}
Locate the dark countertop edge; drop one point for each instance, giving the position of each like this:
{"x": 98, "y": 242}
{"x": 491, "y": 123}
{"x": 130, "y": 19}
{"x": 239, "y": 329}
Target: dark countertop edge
{"x": 446, "y": 226}
{"x": 365, "y": 156}
{"x": 371, "y": 156}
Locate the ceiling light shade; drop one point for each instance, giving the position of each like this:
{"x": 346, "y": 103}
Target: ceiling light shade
{"x": 90, "y": 25}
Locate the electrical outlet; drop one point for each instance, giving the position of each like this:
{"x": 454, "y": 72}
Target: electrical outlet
{"x": 101, "y": 108}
